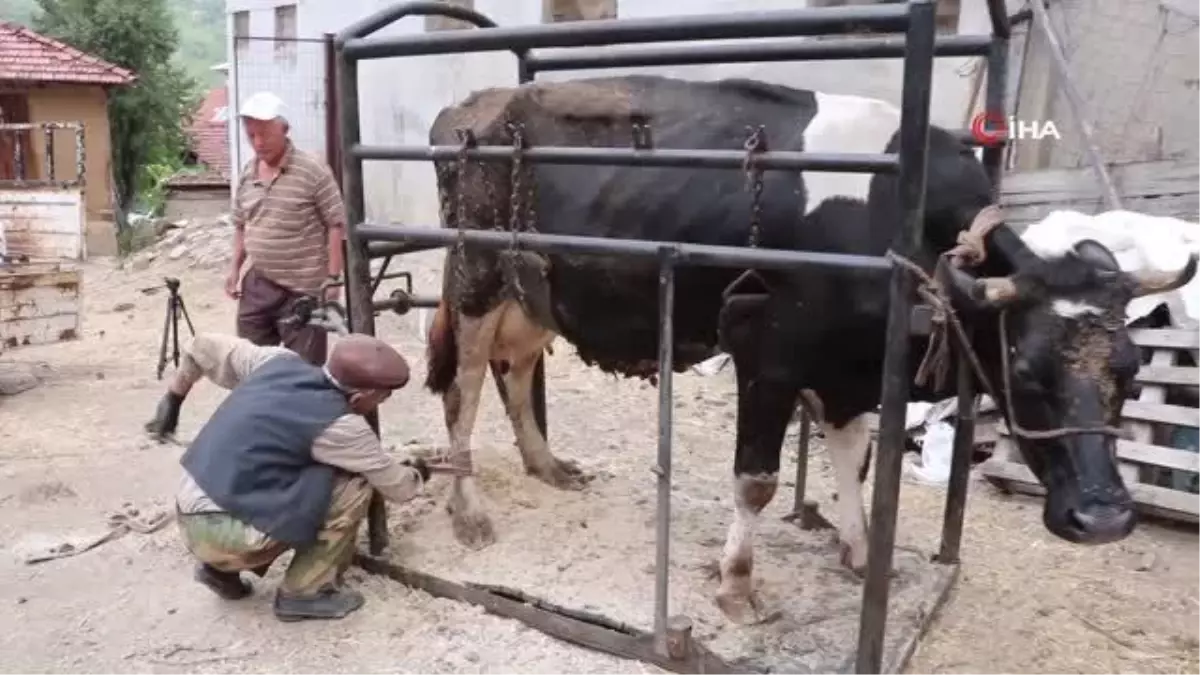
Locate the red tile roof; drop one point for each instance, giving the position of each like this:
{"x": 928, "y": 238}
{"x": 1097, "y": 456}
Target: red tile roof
{"x": 209, "y": 132}
{"x": 29, "y": 57}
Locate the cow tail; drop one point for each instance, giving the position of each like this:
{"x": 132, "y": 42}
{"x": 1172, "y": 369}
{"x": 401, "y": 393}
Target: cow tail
{"x": 441, "y": 351}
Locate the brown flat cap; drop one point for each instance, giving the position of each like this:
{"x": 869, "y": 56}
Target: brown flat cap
{"x": 364, "y": 362}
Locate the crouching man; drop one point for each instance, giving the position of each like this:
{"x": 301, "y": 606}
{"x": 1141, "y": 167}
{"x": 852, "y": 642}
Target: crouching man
{"x": 287, "y": 462}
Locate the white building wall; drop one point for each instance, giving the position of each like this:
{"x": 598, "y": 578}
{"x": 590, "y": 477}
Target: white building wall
{"x": 401, "y": 97}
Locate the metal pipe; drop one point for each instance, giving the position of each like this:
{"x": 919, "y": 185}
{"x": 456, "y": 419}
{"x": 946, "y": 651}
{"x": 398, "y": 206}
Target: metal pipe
{"x": 997, "y": 85}
{"x": 393, "y": 304}
{"x": 686, "y": 254}
{"x": 1001, "y": 22}
{"x": 683, "y": 158}
{"x": 389, "y": 15}
{"x": 960, "y": 464}
{"x": 49, "y": 135}
{"x": 387, "y": 249}
{"x": 802, "y": 462}
{"x": 762, "y": 52}
{"x": 786, "y": 23}
{"x": 914, "y": 139}
{"x": 332, "y": 146}
{"x": 358, "y": 266}
{"x": 1075, "y": 102}
{"x": 666, "y": 359}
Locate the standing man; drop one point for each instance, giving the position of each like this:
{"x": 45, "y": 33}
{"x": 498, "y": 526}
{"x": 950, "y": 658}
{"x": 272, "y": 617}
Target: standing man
{"x": 289, "y": 222}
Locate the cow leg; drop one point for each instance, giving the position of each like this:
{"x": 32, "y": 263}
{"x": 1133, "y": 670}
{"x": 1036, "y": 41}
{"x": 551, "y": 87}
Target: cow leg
{"x": 848, "y": 452}
{"x": 468, "y": 514}
{"x": 520, "y": 343}
{"x": 765, "y": 405}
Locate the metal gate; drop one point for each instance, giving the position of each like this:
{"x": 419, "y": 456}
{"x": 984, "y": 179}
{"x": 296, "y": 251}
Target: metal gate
{"x": 918, "y": 46}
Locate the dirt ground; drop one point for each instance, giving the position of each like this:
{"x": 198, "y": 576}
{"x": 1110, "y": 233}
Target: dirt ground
{"x": 73, "y": 452}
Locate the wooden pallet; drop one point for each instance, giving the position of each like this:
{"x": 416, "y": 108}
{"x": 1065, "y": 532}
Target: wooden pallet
{"x": 1144, "y": 459}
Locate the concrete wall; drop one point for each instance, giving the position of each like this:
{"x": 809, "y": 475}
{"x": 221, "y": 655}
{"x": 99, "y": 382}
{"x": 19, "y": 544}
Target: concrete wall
{"x": 89, "y": 105}
{"x": 1136, "y": 65}
{"x": 401, "y": 97}
{"x": 193, "y": 202}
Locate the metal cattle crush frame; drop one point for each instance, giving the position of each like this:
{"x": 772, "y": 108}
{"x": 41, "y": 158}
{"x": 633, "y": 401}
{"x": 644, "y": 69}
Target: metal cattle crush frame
{"x": 671, "y": 646}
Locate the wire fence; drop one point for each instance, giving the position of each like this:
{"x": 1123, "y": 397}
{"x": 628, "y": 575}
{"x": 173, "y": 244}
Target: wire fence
{"x": 296, "y": 70}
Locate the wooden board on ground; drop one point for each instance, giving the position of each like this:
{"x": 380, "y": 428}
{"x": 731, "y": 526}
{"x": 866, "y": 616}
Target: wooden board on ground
{"x": 1144, "y": 458}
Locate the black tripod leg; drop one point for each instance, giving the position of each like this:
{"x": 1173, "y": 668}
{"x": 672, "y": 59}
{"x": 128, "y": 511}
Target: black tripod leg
{"x": 183, "y": 309}
{"x": 162, "y": 350}
{"x": 175, "y": 329}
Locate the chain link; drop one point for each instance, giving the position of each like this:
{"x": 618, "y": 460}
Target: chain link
{"x": 511, "y": 257}
{"x": 466, "y": 141}
{"x": 755, "y": 143}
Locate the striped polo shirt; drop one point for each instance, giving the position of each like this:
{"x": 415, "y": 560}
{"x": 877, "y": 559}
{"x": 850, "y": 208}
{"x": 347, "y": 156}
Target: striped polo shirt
{"x": 286, "y": 221}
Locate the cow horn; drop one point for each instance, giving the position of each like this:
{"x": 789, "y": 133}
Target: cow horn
{"x": 992, "y": 292}
{"x": 1157, "y": 281}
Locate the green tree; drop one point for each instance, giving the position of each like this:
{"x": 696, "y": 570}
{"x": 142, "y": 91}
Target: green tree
{"x": 147, "y": 119}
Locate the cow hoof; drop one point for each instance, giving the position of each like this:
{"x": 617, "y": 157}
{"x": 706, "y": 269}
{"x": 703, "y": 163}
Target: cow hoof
{"x": 855, "y": 563}
{"x": 471, "y": 524}
{"x": 563, "y": 474}
{"x": 744, "y": 609}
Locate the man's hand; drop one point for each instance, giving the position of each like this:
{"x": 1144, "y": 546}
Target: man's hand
{"x": 166, "y": 416}
{"x": 331, "y": 293}
{"x": 427, "y": 469}
{"x": 231, "y": 285}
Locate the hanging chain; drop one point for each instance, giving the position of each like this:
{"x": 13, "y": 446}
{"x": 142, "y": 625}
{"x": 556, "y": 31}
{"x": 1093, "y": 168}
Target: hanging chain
{"x": 511, "y": 257}
{"x": 466, "y": 141}
{"x": 755, "y": 143}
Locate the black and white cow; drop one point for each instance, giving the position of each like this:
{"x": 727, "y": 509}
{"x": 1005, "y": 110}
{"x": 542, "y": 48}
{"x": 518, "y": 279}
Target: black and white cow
{"x": 819, "y": 330}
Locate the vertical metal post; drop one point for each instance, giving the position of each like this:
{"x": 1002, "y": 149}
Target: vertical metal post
{"x": 666, "y": 359}
{"x": 802, "y": 464}
{"x": 332, "y": 148}
{"x": 50, "y": 173}
{"x": 81, "y": 155}
{"x": 19, "y": 153}
{"x": 997, "y": 82}
{"x": 358, "y": 261}
{"x": 960, "y": 464}
{"x": 914, "y": 135}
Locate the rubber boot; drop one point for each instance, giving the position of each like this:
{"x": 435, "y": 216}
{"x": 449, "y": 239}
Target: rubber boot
{"x": 330, "y": 602}
{"x": 228, "y": 585}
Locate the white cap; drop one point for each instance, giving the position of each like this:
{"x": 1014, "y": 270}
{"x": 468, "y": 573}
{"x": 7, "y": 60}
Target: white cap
{"x": 262, "y": 105}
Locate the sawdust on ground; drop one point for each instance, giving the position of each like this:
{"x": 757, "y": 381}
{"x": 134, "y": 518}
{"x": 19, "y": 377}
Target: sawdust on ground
{"x": 73, "y": 452}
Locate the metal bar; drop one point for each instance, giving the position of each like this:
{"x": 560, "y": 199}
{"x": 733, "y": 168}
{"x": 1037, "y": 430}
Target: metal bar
{"x": 1075, "y": 102}
{"x": 386, "y": 249}
{"x": 80, "y": 156}
{"x": 802, "y": 462}
{"x": 762, "y": 52}
{"x": 389, "y": 15}
{"x": 390, "y": 304}
{"x": 786, "y": 23}
{"x": 683, "y": 158}
{"x": 358, "y": 265}
{"x": 332, "y": 146}
{"x": 49, "y": 135}
{"x": 686, "y": 254}
{"x": 914, "y": 138}
{"x": 997, "y": 85}
{"x": 31, "y": 126}
{"x": 666, "y": 359}
{"x": 19, "y": 155}
{"x": 1001, "y": 22}
{"x": 271, "y": 38}
{"x": 960, "y": 464}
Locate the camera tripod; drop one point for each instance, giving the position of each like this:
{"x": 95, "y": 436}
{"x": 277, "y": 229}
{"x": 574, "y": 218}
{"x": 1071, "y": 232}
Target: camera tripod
{"x": 175, "y": 307}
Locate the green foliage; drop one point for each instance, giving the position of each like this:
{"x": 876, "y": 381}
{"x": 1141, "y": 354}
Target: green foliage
{"x": 147, "y": 120}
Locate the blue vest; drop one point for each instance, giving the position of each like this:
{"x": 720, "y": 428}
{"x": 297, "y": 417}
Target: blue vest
{"x": 254, "y": 456}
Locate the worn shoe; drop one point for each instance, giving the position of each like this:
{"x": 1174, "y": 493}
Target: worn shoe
{"x": 228, "y": 585}
{"x": 328, "y": 603}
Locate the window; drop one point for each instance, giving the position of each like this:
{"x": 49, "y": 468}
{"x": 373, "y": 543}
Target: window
{"x": 558, "y": 11}
{"x": 285, "y": 34}
{"x": 436, "y": 23}
{"x": 241, "y": 29}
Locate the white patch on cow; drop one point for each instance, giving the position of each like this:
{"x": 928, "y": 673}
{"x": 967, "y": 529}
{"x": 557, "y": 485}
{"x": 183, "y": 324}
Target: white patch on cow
{"x": 1071, "y": 309}
{"x": 751, "y": 493}
{"x": 847, "y": 448}
{"x": 739, "y": 544}
{"x": 846, "y": 124}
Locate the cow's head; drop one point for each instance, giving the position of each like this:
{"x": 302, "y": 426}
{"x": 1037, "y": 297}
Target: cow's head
{"x": 1071, "y": 363}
